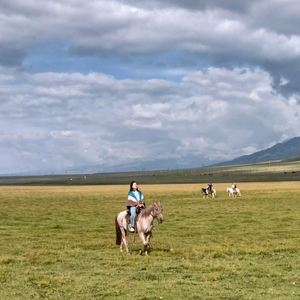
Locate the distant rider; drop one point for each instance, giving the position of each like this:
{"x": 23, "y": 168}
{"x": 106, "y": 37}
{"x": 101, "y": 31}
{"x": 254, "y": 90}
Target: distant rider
{"x": 135, "y": 199}
{"x": 209, "y": 188}
{"x": 233, "y": 187}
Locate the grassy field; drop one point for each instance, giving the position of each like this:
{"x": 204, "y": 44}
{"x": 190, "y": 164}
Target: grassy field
{"x": 59, "y": 243}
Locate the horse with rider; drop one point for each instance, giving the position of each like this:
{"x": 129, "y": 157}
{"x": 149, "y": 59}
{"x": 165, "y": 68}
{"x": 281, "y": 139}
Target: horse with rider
{"x": 137, "y": 218}
{"x": 209, "y": 190}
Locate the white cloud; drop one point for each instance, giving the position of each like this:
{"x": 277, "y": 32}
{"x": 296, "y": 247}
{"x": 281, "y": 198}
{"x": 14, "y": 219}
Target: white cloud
{"x": 283, "y": 81}
{"x": 65, "y": 118}
{"x": 96, "y": 26}
{"x": 197, "y": 116}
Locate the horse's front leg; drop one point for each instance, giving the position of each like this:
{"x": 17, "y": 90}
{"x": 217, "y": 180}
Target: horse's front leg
{"x": 145, "y": 243}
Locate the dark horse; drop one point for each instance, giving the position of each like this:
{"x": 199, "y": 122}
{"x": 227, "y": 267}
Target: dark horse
{"x": 207, "y": 192}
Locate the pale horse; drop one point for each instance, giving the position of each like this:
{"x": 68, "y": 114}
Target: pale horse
{"x": 144, "y": 225}
{"x": 232, "y": 192}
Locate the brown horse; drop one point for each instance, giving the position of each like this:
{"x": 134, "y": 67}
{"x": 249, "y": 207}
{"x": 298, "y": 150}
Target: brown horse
{"x": 144, "y": 225}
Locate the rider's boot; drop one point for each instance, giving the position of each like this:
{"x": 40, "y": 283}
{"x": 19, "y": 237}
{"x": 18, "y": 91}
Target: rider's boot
{"x": 130, "y": 228}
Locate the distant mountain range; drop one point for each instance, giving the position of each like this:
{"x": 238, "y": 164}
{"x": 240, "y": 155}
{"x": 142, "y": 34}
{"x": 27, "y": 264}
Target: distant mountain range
{"x": 287, "y": 149}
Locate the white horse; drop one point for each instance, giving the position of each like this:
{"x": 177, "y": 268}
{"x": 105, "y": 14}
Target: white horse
{"x": 232, "y": 192}
{"x": 144, "y": 225}
{"x": 213, "y": 193}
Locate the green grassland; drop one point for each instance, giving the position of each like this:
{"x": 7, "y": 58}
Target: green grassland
{"x": 58, "y": 242}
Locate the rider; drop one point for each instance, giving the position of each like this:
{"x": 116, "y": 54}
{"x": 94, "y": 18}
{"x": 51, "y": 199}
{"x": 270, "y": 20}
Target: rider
{"x": 209, "y": 188}
{"x": 233, "y": 187}
{"x": 135, "y": 199}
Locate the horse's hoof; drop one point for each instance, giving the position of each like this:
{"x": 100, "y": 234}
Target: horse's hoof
{"x": 128, "y": 253}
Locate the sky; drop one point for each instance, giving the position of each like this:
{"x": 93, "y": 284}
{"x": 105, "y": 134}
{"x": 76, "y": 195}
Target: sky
{"x": 134, "y": 84}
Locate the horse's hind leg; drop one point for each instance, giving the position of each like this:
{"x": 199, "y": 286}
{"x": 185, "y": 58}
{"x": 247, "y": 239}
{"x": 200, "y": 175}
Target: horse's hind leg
{"x": 124, "y": 241}
{"x": 121, "y": 245}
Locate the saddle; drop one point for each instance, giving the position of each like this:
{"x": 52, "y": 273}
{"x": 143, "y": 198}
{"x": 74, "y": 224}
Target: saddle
{"x": 208, "y": 191}
{"x": 138, "y": 210}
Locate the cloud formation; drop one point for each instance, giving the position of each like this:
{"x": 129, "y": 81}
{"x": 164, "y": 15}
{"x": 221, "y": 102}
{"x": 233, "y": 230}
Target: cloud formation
{"x": 135, "y": 27}
{"x": 69, "y": 119}
{"x": 116, "y": 82}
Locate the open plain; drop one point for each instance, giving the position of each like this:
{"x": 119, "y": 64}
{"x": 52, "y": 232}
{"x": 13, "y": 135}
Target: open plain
{"x": 58, "y": 242}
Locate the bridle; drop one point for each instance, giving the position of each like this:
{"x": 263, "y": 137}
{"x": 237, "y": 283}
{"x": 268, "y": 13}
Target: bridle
{"x": 153, "y": 215}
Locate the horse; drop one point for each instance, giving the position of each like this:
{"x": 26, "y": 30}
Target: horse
{"x": 213, "y": 193}
{"x": 231, "y": 192}
{"x": 144, "y": 225}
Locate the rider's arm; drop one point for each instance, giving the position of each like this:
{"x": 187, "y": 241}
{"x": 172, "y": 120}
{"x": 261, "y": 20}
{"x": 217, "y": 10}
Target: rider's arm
{"x": 141, "y": 202}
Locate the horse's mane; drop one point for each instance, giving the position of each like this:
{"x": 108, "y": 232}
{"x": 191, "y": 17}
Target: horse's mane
{"x": 147, "y": 211}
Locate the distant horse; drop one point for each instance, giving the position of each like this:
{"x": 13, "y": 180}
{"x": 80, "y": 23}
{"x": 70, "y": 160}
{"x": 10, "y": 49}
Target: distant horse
{"x": 144, "y": 225}
{"x": 213, "y": 193}
{"x": 231, "y": 192}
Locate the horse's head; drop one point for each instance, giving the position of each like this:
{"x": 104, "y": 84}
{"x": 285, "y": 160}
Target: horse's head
{"x": 157, "y": 212}
{"x": 227, "y": 190}
{"x": 203, "y": 190}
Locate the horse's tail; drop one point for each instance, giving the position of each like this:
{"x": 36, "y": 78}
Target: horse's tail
{"x": 118, "y": 232}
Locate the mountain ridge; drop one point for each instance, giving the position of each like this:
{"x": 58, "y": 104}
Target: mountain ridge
{"x": 287, "y": 149}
